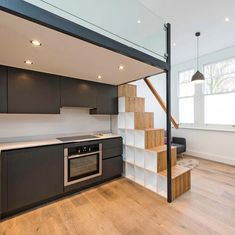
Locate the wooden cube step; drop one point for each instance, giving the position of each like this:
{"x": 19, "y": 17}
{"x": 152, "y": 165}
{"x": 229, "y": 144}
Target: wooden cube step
{"x": 181, "y": 180}
{"x": 127, "y": 90}
{"x": 147, "y": 138}
{"x": 131, "y": 104}
{"x": 143, "y": 120}
{"x": 162, "y": 157}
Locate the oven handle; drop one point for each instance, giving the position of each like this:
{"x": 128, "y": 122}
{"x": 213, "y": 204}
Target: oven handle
{"x": 82, "y": 155}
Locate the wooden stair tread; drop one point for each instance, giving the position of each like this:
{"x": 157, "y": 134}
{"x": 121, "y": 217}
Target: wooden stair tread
{"x": 160, "y": 149}
{"x": 175, "y": 171}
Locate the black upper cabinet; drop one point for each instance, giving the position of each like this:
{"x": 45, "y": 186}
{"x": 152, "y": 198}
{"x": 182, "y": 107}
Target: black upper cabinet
{"x": 3, "y": 89}
{"x": 78, "y": 93}
{"x": 107, "y": 99}
{"x": 33, "y": 92}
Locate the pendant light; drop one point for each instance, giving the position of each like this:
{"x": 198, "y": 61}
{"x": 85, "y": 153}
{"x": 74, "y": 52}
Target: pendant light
{"x": 198, "y": 77}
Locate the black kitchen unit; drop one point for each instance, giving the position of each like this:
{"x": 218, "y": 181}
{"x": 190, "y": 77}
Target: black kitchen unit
{"x": 32, "y": 176}
{"x": 78, "y": 93}
{"x": 33, "y": 92}
{"x": 26, "y": 91}
{"x": 3, "y": 89}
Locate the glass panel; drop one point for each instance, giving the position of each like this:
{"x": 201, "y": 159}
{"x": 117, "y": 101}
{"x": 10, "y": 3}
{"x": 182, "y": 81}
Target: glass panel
{"x": 186, "y": 110}
{"x": 128, "y": 22}
{"x": 220, "y": 77}
{"x": 220, "y": 109}
{"x": 83, "y": 166}
{"x": 186, "y": 87}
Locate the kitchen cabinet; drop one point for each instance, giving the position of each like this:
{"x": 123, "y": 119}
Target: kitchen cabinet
{"x": 33, "y": 92}
{"x": 112, "y": 147}
{"x": 31, "y": 175}
{"x": 3, "y": 89}
{"x": 78, "y": 93}
{"x": 112, "y": 167}
{"x": 107, "y": 99}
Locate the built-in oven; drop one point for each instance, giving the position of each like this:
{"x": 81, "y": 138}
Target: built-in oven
{"x": 82, "y": 163}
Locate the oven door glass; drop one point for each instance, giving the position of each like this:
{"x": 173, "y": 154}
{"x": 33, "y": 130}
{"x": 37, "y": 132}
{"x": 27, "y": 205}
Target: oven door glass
{"x": 83, "y": 166}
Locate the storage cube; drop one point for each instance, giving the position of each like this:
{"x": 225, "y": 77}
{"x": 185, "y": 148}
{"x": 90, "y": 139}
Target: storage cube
{"x": 130, "y": 154}
{"x": 162, "y": 185}
{"x": 122, "y": 120}
{"x": 130, "y": 137}
{"x": 151, "y": 161}
{"x": 139, "y": 175}
{"x": 130, "y": 171}
{"x": 140, "y": 139}
{"x": 151, "y": 180}
{"x": 139, "y": 157}
{"x": 130, "y": 121}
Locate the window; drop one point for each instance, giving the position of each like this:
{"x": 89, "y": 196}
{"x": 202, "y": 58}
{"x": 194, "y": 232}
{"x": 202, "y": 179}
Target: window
{"x": 220, "y": 93}
{"x": 186, "y": 97}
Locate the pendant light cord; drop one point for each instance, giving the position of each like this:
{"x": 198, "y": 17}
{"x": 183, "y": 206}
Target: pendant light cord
{"x": 197, "y": 53}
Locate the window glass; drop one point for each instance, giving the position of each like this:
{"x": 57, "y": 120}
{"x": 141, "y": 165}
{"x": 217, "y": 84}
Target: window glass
{"x": 186, "y": 87}
{"x": 186, "y": 110}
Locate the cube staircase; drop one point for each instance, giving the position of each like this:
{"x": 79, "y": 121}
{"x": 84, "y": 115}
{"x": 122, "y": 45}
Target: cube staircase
{"x": 145, "y": 155}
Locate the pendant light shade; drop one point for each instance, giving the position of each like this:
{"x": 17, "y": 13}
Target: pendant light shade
{"x": 198, "y": 77}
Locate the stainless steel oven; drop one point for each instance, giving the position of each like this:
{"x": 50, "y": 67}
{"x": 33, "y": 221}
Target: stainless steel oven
{"x": 82, "y": 163}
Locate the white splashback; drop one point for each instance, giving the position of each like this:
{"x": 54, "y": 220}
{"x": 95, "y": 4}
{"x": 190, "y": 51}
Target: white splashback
{"x": 71, "y": 120}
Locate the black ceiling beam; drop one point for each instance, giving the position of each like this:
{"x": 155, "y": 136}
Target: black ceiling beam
{"x": 40, "y": 16}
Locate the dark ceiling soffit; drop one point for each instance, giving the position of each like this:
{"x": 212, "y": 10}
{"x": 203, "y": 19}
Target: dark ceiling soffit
{"x": 50, "y": 20}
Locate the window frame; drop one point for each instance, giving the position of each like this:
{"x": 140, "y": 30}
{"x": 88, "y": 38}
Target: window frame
{"x": 210, "y": 126}
{"x": 183, "y": 124}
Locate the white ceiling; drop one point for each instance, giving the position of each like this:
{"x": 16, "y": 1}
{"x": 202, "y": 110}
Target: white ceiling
{"x": 189, "y": 16}
{"x": 64, "y": 55}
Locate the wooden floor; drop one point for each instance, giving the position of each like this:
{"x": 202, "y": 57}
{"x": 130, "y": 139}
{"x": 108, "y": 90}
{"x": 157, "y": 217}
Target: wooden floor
{"x": 122, "y": 207}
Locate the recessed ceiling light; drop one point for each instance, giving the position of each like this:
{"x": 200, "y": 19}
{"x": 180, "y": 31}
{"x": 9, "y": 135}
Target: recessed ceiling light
{"x": 99, "y": 77}
{"x": 36, "y": 43}
{"x": 174, "y": 44}
{"x": 121, "y": 67}
{"x": 28, "y": 62}
{"x": 139, "y": 21}
{"x": 226, "y": 19}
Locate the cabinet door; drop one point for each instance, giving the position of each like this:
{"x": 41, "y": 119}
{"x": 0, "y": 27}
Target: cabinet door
{"x": 33, "y": 175}
{"x": 77, "y": 93}
{"x": 112, "y": 167}
{"x": 107, "y": 99}
{"x": 112, "y": 147}
{"x": 3, "y": 89}
{"x": 33, "y": 92}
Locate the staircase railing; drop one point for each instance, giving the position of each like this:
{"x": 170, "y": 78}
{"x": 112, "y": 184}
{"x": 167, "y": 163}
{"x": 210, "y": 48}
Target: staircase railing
{"x": 160, "y": 101}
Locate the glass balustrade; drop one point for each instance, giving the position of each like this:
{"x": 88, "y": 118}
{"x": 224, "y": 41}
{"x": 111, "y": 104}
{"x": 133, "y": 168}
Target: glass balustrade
{"x": 126, "y": 21}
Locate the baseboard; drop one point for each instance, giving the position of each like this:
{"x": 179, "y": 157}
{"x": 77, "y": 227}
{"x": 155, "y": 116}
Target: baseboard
{"x": 212, "y": 157}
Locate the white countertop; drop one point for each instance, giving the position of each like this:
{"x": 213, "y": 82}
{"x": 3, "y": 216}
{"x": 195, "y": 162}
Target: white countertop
{"x": 27, "y": 142}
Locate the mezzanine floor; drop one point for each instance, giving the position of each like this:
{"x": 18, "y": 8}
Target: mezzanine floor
{"x": 123, "y": 207}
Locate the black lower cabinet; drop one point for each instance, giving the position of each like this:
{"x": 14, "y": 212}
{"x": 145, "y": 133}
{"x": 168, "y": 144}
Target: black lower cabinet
{"x": 33, "y": 175}
{"x": 112, "y": 167}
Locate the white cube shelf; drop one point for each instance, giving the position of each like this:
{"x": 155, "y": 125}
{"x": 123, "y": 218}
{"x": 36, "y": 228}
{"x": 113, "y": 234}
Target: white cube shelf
{"x": 162, "y": 185}
{"x": 124, "y": 152}
{"x": 122, "y": 133}
{"x": 130, "y": 137}
{"x": 139, "y": 157}
{"x": 121, "y": 105}
{"x": 130, "y": 154}
{"x": 122, "y": 120}
{"x": 151, "y": 161}
{"x": 151, "y": 180}
{"x": 139, "y": 175}
{"x": 130, "y": 120}
{"x": 129, "y": 171}
{"x": 140, "y": 139}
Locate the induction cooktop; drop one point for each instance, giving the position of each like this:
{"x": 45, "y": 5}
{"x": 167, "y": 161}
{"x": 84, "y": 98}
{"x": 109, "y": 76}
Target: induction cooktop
{"x": 80, "y": 137}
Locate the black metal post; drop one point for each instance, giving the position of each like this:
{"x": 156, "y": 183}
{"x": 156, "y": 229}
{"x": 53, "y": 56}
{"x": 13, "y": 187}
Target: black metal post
{"x": 168, "y": 114}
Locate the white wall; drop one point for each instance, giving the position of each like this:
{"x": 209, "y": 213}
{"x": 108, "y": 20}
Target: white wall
{"x": 213, "y": 145}
{"x": 71, "y": 120}
{"x": 151, "y": 104}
